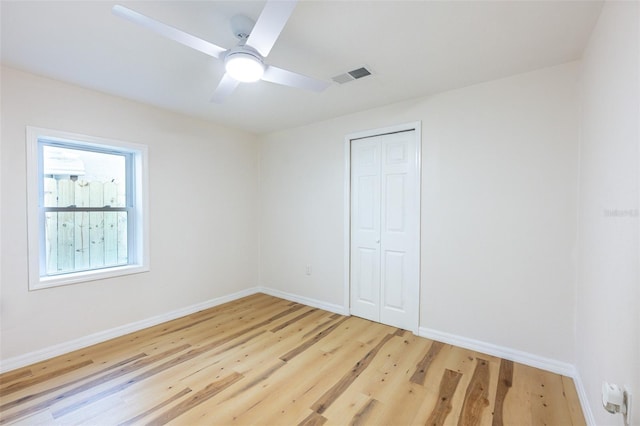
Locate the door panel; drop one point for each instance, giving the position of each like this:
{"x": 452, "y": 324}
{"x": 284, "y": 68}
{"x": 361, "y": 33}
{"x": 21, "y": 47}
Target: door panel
{"x": 367, "y": 197}
{"x": 367, "y": 268}
{"x": 396, "y": 152}
{"x": 365, "y": 230}
{"x": 394, "y": 207}
{"x": 394, "y": 271}
{"x": 400, "y": 229}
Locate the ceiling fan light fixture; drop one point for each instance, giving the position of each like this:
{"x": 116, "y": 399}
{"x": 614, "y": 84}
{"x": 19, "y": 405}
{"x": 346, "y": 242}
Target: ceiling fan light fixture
{"x": 244, "y": 66}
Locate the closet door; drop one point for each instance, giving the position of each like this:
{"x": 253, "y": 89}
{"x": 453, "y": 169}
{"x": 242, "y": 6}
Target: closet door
{"x": 365, "y": 228}
{"x": 385, "y": 210}
{"x": 399, "y": 231}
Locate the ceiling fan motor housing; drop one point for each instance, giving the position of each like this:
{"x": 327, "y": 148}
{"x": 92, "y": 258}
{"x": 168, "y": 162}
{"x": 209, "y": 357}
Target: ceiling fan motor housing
{"x": 244, "y": 63}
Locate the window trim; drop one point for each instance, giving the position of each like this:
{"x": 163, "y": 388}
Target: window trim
{"x": 139, "y": 248}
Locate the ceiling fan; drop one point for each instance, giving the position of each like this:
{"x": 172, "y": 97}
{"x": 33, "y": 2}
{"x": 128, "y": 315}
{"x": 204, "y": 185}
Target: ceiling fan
{"x": 244, "y": 62}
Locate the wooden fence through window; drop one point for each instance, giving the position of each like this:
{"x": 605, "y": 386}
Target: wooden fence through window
{"x": 80, "y": 240}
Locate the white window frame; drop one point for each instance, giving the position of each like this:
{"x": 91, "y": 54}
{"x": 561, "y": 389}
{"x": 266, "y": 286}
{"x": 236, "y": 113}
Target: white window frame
{"x": 138, "y": 234}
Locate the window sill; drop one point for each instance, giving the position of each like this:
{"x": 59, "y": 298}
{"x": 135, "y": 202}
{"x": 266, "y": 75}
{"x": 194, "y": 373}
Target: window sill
{"x": 79, "y": 277}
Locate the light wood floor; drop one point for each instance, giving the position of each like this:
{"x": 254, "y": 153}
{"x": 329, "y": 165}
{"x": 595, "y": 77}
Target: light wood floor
{"x": 264, "y": 360}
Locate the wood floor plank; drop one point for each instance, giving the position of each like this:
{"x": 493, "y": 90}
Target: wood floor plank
{"x": 549, "y": 403}
{"x": 505, "y": 381}
{"x": 391, "y": 367}
{"x": 312, "y": 341}
{"x": 517, "y": 403}
{"x": 463, "y": 361}
{"x": 448, "y": 386}
{"x": 42, "y": 418}
{"x": 17, "y": 386}
{"x": 402, "y": 407}
{"x": 390, "y": 380}
{"x": 12, "y": 376}
{"x": 353, "y": 330}
{"x": 156, "y": 407}
{"x": 313, "y": 419}
{"x": 441, "y": 362}
{"x": 258, "y": 378}
{"x": 423, "y": 366}
{"x": 293, "y": 320}
{"x": 262, "y": 360}
{"x": 90, "y": 416}
{"x": 477, "y": 396}
{"x": 332, "y": 394}
{"x": 142, "y": 401}
{"x": 365, "y": 414}
{"x": 460, "y": 360}
{"x": 198, "y": 398}
{"x": 346, "y": 407}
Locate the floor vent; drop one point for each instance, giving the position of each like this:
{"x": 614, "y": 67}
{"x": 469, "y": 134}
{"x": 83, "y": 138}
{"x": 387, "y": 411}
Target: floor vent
{"x": 351, "y": 75}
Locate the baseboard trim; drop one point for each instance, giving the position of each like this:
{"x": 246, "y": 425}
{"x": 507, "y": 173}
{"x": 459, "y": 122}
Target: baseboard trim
{"x": 584, "y": 401}
{"x": 102, "y": 336}
{"x": 522, "y": 357}
{"x": 337, "y": 309}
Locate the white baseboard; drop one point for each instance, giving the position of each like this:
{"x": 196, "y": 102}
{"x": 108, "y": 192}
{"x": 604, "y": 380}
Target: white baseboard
{"x": 584, "y": 401}
{"x": 522, "y": 357}
{"x": 102, "y": 336}
{"x": 338, "y": 309}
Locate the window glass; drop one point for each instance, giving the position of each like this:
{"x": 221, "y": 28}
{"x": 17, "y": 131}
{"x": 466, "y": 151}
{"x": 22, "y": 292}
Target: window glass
{"x": 76, "y": 238}
{"x": 90, "y": 179}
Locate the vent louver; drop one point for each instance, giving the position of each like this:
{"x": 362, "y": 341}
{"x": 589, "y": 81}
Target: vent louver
{"x": 351, "y": 75}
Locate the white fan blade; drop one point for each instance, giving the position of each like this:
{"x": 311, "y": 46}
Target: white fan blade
{"x": 289, "y": 78}
{"x": 224, "y": 89}
{"x": 168, "y": 31}
{"x": 269, "y": 25}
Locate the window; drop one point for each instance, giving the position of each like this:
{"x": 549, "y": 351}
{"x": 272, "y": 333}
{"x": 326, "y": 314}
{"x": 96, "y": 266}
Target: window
{"x": 87, "y": 208}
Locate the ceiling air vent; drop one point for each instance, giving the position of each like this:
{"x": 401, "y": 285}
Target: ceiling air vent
{"x": 351, "y": 75}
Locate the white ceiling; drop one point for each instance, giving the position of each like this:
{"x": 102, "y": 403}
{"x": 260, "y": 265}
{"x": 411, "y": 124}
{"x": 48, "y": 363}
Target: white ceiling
{"x": 414, "y": 48}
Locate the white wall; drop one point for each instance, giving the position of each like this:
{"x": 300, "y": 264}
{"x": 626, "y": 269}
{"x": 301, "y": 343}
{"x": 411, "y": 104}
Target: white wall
{"x": 203, "y": 214}
{"x": 608, "y": 302}
{"x": 499, "y": 200}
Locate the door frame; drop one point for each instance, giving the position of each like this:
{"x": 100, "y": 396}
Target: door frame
{"x": 417, "y": 127}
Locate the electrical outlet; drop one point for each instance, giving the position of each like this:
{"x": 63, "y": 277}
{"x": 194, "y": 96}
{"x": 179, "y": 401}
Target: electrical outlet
{"x": 307, "y": 270}
{"x": 616, "y": 399}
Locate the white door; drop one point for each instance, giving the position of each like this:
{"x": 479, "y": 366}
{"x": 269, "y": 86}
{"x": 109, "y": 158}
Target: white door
{"x": 385, "y": 229}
